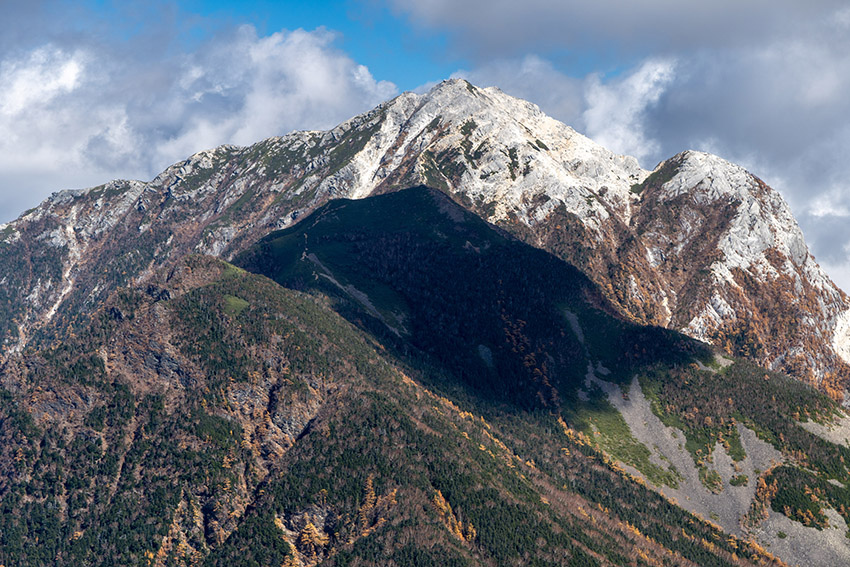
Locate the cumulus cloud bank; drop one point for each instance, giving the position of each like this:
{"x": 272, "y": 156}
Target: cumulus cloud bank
{"x": 77, "y": 114}
{"x": 615, "y": 114}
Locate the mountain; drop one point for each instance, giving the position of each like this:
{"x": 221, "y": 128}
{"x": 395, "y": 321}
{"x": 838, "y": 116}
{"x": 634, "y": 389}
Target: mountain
{"x": 445, "y": 332}
{"x": 698, "y": 245}
{"x": 508, "y": 329}
{"x": 477, "y": 408}
{"x": 211, "y": 416}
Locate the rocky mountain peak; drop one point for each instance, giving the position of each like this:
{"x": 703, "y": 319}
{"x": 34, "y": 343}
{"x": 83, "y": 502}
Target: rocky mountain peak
{"x": 493, "y": 148}
{"x": 708, "y": 178}
{"x": 736, "y": 265}
{"x": 761, "y": 220}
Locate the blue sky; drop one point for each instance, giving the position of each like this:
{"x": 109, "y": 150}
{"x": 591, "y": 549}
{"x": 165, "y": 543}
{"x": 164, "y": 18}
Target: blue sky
{"x": 92, "y": 90}
{"x": 368, "y": 32}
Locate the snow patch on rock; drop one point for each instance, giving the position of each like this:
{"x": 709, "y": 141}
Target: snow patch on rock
{"x": 66, "y": 236}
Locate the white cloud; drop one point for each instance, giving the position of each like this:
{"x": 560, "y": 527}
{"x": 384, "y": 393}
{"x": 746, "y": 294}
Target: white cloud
{"x": 841, "y": 18}
{"x": 81, "y": 117}
{"x": 832, "y": 203}
{"x": 615, "y": 114}
{"x": 45, "y": 74}
{"x": 254, "y": 87}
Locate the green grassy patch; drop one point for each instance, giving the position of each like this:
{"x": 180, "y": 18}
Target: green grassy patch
{"x": 601, "y": 421}
{"x": 739, "y": 480}
{"x": 657, "y": 178}
{"x": 513, "y": 166}
{"x": 733, "y": 445}
{"x": 233, "y": 305}
{"x": 711, "y": 479}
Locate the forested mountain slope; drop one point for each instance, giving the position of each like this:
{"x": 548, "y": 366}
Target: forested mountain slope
{"x": 216, "y": 418}
{"x": 488, "y": 371}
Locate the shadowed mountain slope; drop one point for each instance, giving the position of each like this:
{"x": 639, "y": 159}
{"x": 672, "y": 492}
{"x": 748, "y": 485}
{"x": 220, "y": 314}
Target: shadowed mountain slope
{"x": 429, "y": 275}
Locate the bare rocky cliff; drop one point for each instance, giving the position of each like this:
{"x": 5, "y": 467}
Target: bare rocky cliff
{"x": 738, "y": 271}
{"x": 699, "y": 244}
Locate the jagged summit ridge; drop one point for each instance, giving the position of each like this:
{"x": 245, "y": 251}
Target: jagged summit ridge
{"x": 698, "y": 244}
{"x": 511, "y": 152}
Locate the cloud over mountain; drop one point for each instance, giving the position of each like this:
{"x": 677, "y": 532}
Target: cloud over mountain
{"x": 76, "y": 113}
{"x": 503, "y": 28}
